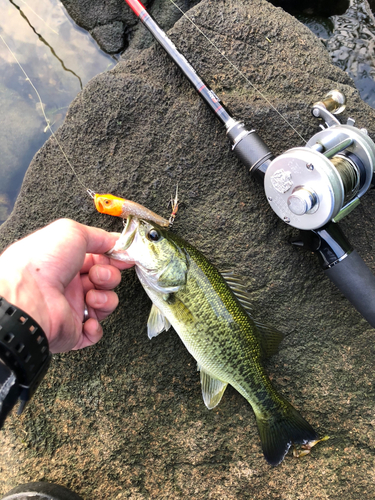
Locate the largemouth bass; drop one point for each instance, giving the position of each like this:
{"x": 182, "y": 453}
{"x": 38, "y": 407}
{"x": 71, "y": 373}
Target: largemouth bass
{"x": 210, "y": 314}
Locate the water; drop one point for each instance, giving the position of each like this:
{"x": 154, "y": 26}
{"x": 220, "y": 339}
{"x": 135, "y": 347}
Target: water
{"x": 60, "y": 58}
{"x": 350, "y": 40}
{"x": 321, "y": 26}
{"x": 352, "y": 47}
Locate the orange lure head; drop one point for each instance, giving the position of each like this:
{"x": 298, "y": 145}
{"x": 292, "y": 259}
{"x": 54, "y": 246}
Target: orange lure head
{"x": 109, "y": 204}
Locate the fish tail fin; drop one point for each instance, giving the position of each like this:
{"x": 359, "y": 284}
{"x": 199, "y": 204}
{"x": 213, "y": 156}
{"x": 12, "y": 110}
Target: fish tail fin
{"x": 282, "y": 429}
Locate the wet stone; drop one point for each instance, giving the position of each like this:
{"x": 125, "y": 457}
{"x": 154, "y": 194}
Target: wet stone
{"x": 351, "y": 46}
{"x": 110, "y": 37}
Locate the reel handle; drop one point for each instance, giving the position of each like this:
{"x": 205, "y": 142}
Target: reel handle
{"x": 343, "y": 266}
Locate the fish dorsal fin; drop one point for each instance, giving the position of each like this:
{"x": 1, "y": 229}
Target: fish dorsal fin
{"x": 268, "y": 336}
{"x": 212, "y": 389}
{"x": 237, "y": 286}
{"x": 157, "y": 322}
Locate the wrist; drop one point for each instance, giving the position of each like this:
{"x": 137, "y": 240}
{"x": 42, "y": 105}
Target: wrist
{"x": 24, "y": 357}
{"x": 21, "y": 290}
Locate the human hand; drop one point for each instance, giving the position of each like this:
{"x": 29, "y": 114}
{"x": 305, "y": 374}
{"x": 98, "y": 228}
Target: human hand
{"x": 53, "y": 272}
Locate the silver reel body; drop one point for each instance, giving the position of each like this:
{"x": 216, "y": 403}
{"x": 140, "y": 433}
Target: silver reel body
{"x": 322, "y": 181}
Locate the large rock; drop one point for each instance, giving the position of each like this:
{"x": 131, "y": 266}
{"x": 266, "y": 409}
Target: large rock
{"x": 125, "y": 418}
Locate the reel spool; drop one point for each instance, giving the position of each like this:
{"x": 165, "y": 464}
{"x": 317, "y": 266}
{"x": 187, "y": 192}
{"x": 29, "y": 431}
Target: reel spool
{"x": 309, "y": 186}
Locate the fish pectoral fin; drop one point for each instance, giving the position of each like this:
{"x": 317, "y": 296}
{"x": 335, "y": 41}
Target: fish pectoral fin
{"x": 212, "y": 389}
{"x": 181, "y": 311}
{"x": 157, "y": 322}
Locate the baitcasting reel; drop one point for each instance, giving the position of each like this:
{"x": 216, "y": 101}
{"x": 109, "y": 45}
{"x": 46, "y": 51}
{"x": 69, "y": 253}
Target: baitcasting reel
{"x": 313, "y": 187}
{"x": 309, "y": 186}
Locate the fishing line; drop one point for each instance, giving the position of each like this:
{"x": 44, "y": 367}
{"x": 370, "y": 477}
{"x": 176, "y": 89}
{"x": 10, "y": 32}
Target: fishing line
{"x": 89, "y": 191}
{"x": 238, "y": 70}
{"x": 35, "y": 14}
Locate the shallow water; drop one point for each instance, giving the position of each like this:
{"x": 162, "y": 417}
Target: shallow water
{"x": 352, "y": 47}
{"x": 350, "y": 41}
{"x": 322, "y": 27}
{"x": 59, "y": 58}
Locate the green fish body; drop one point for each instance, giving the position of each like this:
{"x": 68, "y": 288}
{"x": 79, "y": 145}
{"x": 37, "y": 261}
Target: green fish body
{"x": 210, "y": 313}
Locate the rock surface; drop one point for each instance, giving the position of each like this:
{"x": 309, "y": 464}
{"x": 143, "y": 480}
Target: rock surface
{"x": 114, "y": 26}
{"x": 125, "y": 418}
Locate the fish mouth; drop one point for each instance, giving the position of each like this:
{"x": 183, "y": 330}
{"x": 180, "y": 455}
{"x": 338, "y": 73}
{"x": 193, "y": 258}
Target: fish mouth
{"x": 125, "y": 240}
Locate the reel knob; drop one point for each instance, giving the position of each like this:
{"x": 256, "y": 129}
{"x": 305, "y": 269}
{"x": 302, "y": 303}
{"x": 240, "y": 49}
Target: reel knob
{"x": 334, "y": 102}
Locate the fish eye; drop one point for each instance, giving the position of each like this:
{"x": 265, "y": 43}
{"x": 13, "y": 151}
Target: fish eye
{"x": 107, "y": 202}
{"x": 153, "y": 235}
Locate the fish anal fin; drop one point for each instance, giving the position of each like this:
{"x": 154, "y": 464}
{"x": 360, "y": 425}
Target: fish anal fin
{"x": 157, "y": 322}
{"x": 212, "y": 389}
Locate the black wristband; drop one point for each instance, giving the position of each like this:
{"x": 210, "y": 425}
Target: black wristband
{"x": 24, "y": 353}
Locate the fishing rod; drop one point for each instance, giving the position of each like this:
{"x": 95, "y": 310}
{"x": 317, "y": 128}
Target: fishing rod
{"x": 309, "y": 187}
{"x": 247, "y": 145}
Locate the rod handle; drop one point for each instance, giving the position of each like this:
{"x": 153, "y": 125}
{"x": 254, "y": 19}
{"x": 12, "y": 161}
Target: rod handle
{"x": 343, "y": 266}
{"x": 356, "y": 282}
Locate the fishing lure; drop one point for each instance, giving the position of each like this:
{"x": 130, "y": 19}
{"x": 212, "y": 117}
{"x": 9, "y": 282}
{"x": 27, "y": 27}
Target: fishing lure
{"x": 120, "y": 207}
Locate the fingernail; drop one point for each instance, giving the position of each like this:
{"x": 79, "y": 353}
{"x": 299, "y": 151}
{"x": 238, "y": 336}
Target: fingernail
{"x": 100, "y": 297}
{"x": 103, "y": 273}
